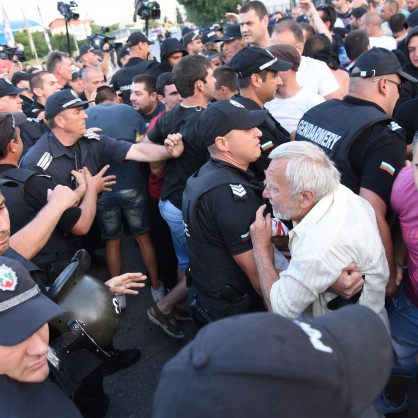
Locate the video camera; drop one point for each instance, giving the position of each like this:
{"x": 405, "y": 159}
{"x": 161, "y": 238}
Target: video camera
{"x": 98, "y": 39}
{"x": 147, "y": 10}
{"x": 66, "y": 12}
{"x": 7, "y": 53}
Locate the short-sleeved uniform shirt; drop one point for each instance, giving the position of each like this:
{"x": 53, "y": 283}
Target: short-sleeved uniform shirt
{"x": 50, "y": 156}
{"x": 195, "y": 154}
{"x": 374, "y": 150}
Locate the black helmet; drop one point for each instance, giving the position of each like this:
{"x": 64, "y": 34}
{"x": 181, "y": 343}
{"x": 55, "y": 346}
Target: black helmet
{"x": 90, "y": 302}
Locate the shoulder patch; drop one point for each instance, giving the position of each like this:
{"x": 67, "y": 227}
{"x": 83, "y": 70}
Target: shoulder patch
{"x": 393, "y": 126}
{"x": 45, "y": 161}
{"x": 239, "y": 193}
{"x": 92, "y": 135}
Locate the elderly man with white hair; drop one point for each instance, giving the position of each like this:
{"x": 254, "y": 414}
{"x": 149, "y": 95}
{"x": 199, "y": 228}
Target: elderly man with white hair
{"x": 332, "y": 227}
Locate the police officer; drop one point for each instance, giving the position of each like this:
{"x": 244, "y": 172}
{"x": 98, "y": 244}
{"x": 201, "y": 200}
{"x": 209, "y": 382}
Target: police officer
{"x": 358, "y": 134}
{"x": 10, "y": 101}
{"x": 219, "y": 204}
{"x": 66, "y": 147}
{"x": 257, "y": 70}
{"x": 139, "y": 47}
{"x": 31, "y": 195}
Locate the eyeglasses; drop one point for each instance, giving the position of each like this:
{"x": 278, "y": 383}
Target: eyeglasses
{"x": 399, "y": 85}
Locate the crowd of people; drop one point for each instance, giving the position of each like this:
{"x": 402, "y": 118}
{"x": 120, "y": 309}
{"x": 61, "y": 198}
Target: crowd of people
{"x": 266, "y": 169}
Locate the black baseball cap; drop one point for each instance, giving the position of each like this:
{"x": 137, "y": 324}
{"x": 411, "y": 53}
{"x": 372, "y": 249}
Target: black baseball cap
{"x": 190, "y": 36}
{"x": 8, "y": 123}
{"x": 377, "y": 62}
{"x": 23, "y": 308}
{"x": 75, "y": 74}
{"x": 19, "y": 76}
{"x": 253, "y": 60}
{"x": 265, "y": 365}
{"x": 136, "y": 38}
{"x": 231, "y": 32}
{"x": 224, "y": 116}
{"x": 209, "y": 36}
{"x": 62, "y": 100}
{"x": 84, "y": 49}
{"x": 8, "y": 89}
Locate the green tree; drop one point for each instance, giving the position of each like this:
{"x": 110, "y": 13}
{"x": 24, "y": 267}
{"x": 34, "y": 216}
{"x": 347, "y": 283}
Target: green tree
{"x": 203, "y": 12}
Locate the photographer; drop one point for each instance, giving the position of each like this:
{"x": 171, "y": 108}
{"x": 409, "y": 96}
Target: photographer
{"x": 92, "y": 56}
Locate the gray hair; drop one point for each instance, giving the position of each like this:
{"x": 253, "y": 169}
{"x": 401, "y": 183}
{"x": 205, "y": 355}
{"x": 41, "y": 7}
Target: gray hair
{"x": 308, "y": 168}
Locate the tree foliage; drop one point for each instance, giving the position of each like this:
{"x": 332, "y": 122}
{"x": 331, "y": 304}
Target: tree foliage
{"x": 203, "y": 12}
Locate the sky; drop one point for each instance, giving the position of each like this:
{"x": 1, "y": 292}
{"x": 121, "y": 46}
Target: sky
{"x": 103, "y": 12}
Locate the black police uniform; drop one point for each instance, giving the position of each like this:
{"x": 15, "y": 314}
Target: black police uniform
{"x": 195, "y": 154}
{"x": 30, "y": 132}
{"x": 122, "y": 80}
{"x": 273, "y": 135}
{"x": 35, "y": 400}
{"x": 24, "y": 202}
{"x": 219, "y": 205}
{"x": 366, "y": 145}
{"x": 34, "y": 110}
{"x": 49, "y": 156}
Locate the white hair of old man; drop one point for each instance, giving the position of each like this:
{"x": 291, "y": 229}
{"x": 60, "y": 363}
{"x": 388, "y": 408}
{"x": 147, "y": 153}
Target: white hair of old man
{"x": 308, "y": 168}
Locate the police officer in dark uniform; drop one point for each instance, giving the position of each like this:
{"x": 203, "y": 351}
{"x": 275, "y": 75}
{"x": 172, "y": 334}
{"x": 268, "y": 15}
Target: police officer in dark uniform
{"x": 257, "y": 70}
{"x": 31, "y": 194}
{"x": 139, "y": 47}
{"x": 68, "y": 146}
{"x": 359, "y": 135}
{"x": 10, "y": 101}
{"x": 219, "y": 204}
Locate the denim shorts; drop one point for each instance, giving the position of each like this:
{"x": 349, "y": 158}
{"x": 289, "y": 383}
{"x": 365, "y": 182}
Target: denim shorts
{"x": 174, "y": 218}
{"x": 403, "y": 319}
{"x": 129, "y": 204}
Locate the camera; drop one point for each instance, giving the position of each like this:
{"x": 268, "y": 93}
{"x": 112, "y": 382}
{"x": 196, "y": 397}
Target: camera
{"x": 98, "y": 39}
{"x": 147, "y": 9}
{"x": 66, "y": 12}
{"x": 7, "y": 53}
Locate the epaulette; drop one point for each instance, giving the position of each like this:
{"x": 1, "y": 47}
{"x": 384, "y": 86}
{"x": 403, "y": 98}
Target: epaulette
{"x": 239, "y": 193}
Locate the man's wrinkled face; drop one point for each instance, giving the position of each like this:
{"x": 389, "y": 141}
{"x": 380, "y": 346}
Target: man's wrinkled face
{"x": 27, "y": 361}
{"x": 277, "y": 191}
{"x": 74, "y": 121}
{"x": 230, "y": 48}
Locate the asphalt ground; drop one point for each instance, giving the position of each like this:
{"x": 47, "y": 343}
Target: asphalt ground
{"x": 132, "y": 390}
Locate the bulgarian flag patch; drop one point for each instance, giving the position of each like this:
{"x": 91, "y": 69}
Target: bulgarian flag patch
{"x": 246, "y": 237}
{"x": 267, "y": 146}
{"x": 387, "y": 167}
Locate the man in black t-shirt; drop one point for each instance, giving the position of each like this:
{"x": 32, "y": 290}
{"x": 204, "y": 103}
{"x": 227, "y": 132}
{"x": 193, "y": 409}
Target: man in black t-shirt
{"x": 194, "y": 80}
{"x": 257, "y": 70}
{"x": 139, "y": 47}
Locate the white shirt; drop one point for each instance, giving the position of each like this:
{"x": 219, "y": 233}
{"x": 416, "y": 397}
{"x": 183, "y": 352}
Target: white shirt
{"x": 317, "y": 76}
{"x": 339, "y": 229}
{"x": 289, "y": 111}
{"x": 387, "y": 42}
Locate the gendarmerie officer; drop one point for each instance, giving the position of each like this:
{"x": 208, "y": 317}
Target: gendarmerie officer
{"x": 359, "y": 135}
{"x": 219, "y": 204}
{"x": 257, "y": 70}
{"x": 139, "y": 47}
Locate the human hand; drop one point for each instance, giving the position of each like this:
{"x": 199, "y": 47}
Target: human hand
{"x": 349, "y": 283}
{"x": 233, "y": 17}
{"x": 393, "y": 285}
{"x": 261, "y": 230}
{"x": 307, "y": 7}
{"x": 174, "y": 145}
{"x": 63, "y": 197}
{"x": 122, "y": 285}
{"x": 99, "y": 182}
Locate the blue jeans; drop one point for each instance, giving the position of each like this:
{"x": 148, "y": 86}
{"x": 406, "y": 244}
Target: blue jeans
{"x": 403, "y": 319}
{"x": 174, "y": 219}
{"x": 132, "y": 204}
